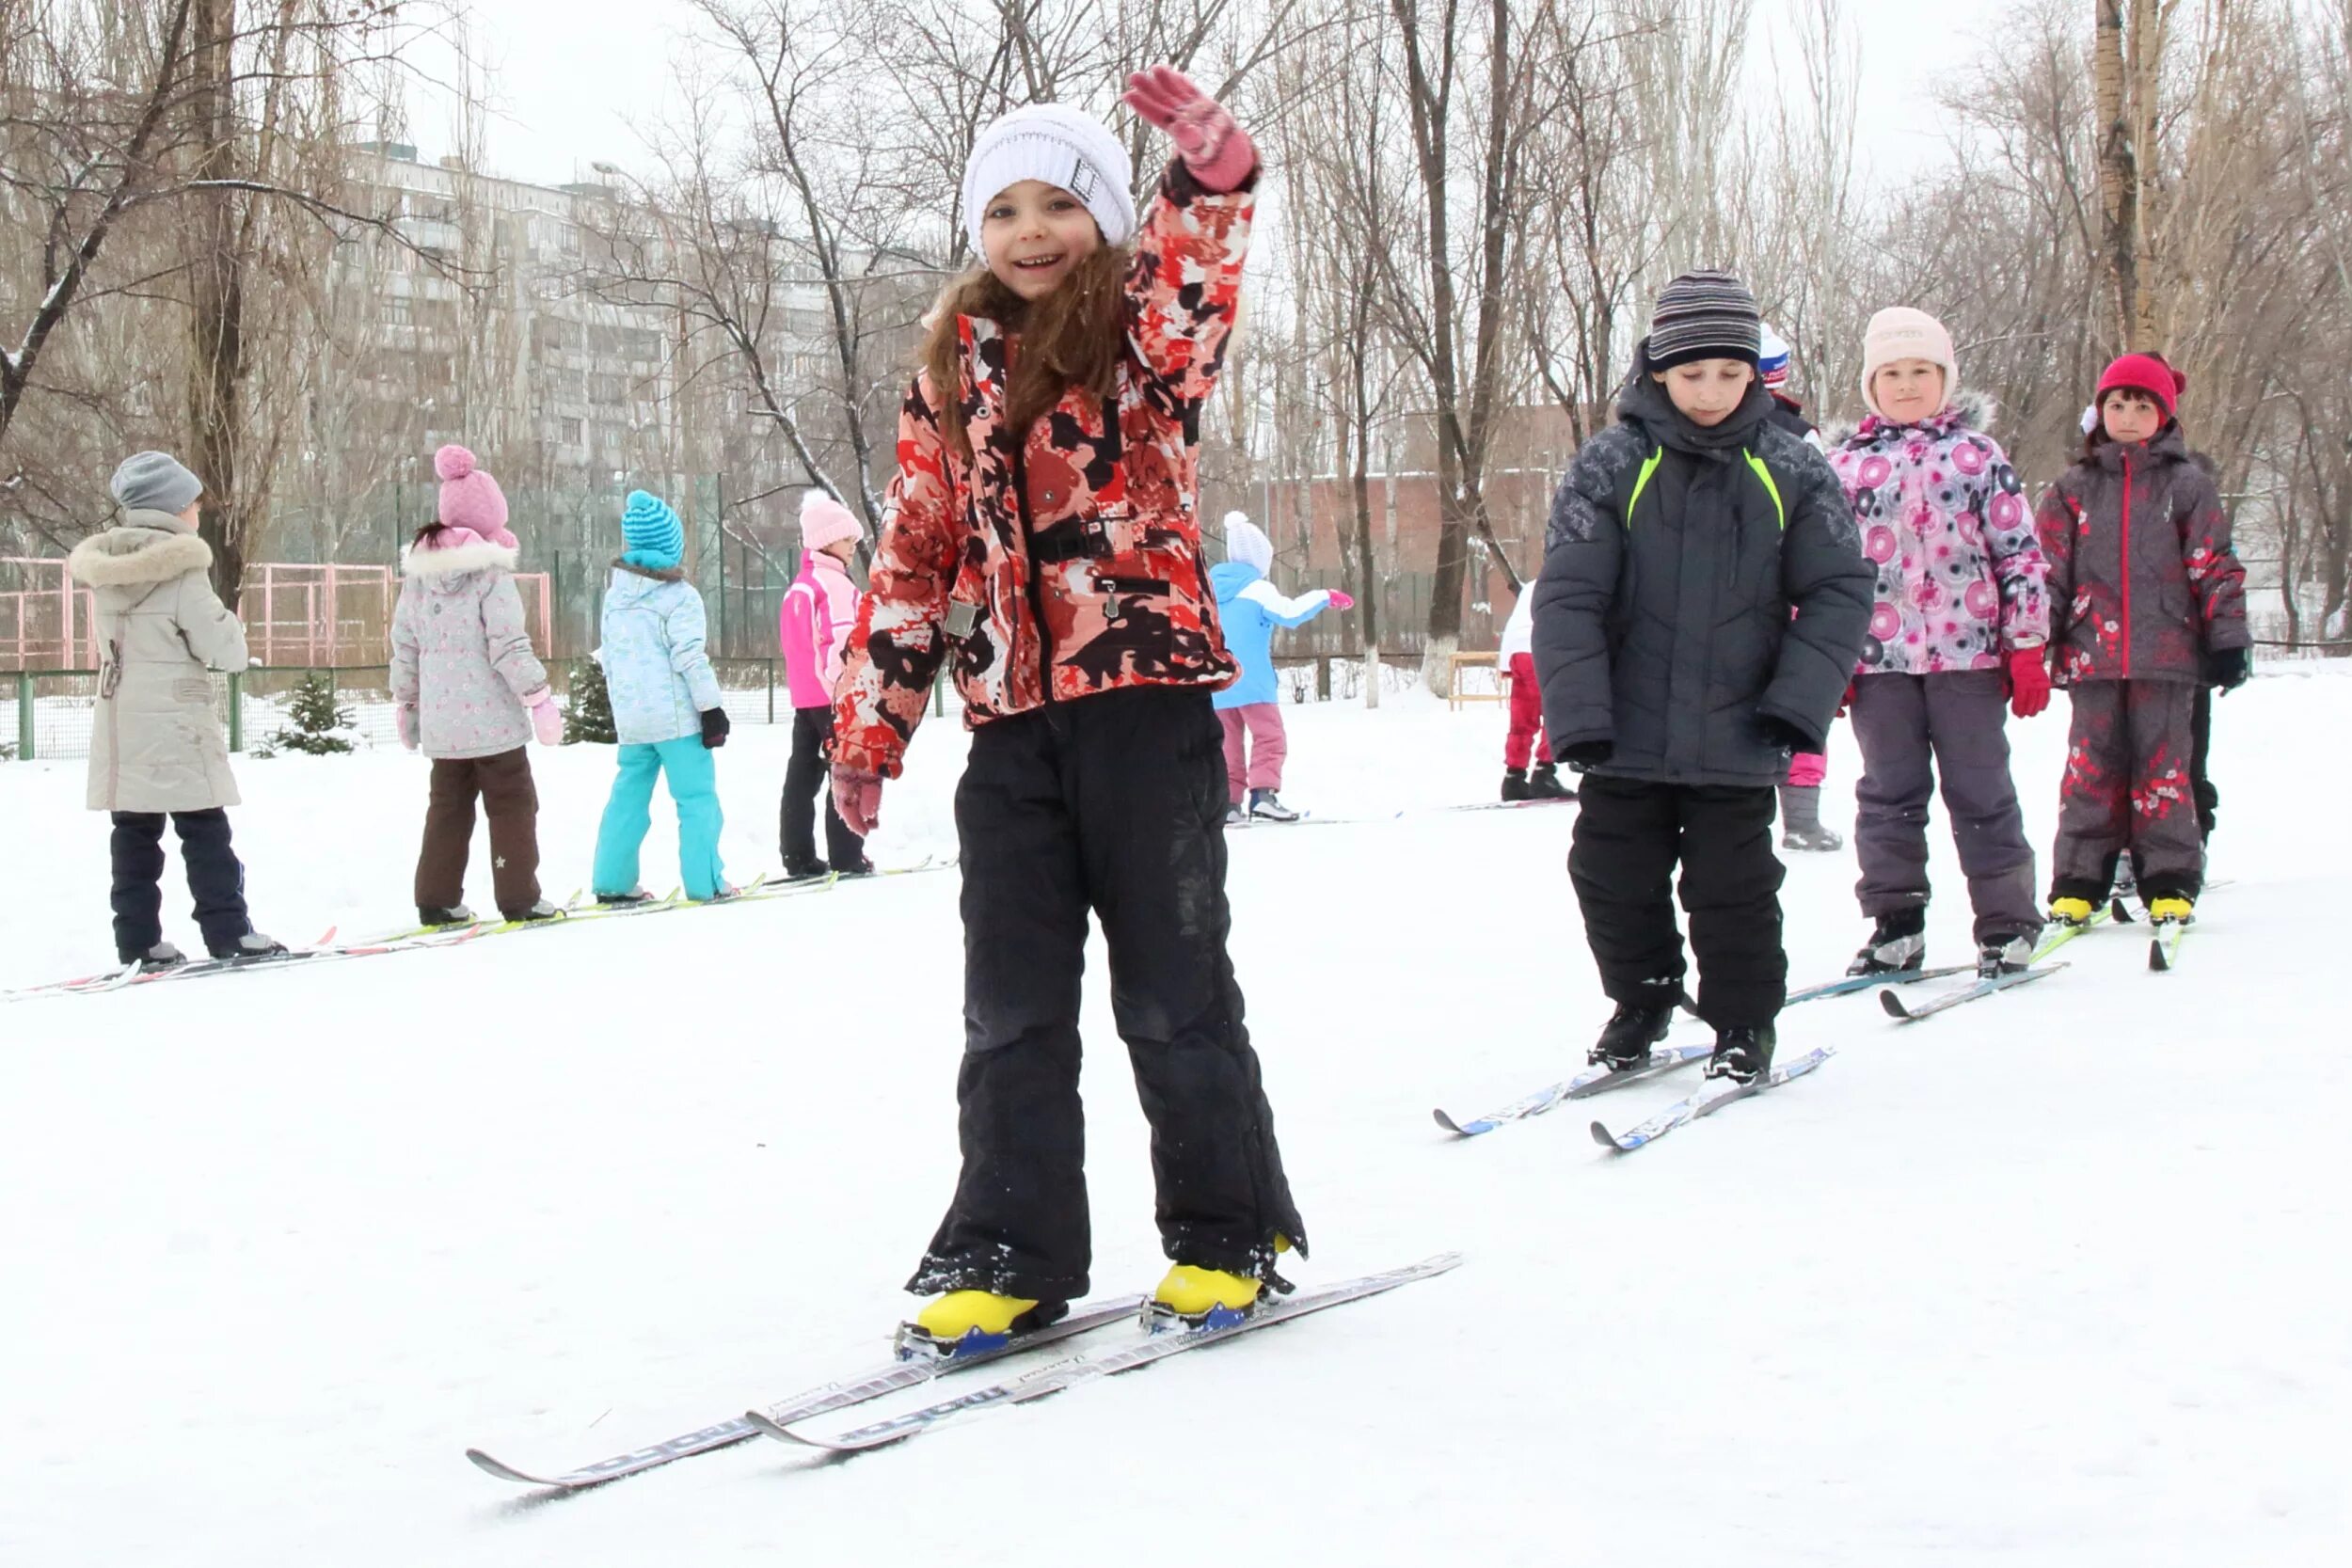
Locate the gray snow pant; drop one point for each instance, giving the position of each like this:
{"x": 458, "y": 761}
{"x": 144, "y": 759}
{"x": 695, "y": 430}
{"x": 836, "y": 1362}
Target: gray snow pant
{"x": 1915, "y": 730}
{"x": 2129, "y": 786}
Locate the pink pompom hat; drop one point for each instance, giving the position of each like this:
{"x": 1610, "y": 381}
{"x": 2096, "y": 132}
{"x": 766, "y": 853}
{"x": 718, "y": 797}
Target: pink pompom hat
{"x": 825, "y": 521}
{"x": 471, "y": 498}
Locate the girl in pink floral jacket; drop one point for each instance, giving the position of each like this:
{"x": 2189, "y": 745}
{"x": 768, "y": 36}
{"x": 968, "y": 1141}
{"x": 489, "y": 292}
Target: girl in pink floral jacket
{"x": 1958, "y": 630}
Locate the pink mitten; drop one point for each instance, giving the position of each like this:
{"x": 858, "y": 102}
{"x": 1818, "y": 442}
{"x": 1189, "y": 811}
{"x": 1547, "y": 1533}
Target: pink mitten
{"x": 858, "y": 798}
{"x": 1342, "y": 599}
{"x": 405, "y": 717}
{"x": 547, "y": 719}
{"x": 1212, "y": 143}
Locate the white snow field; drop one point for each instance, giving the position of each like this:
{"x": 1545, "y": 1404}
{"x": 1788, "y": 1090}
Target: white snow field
{"x": 2055, "y": 1278}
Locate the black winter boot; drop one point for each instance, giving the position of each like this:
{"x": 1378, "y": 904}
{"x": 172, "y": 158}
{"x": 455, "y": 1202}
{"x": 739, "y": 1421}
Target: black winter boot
{"x": 1515, "y": 784}
{"x": 1544, "y": 783}
{"x": 1742, "y": 1054}
{"x": 1899, "y": 943}
{"x": 1998, "y": 955}
{"x": 1625, "y": 1038}
{"x": 1800, "y": 820}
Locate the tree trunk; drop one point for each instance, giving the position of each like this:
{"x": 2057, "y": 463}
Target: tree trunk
{"x": 2147, "y": 71}
{"x": 2119, "y": 179}
{"x": 216, "y": 295}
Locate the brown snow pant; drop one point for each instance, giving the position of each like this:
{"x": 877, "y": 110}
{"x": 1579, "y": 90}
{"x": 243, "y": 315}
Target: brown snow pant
{"x": 511, "y": 802}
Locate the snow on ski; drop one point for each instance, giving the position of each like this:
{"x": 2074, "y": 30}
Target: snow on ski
{"x": 1707, "y": 1102}
{"x": 1592, "y": 1080}
{"x": 821, "y": 1401}
{"x": 1059, "y": 1375}
{"x": 1903, "y": 1012}
{"x": 1595, "y": 1081}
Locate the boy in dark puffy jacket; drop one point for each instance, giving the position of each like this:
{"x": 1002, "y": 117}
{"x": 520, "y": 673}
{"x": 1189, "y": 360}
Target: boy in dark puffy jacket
{"x": 1702, "y": 603}
{"x": 2147, "y": 603}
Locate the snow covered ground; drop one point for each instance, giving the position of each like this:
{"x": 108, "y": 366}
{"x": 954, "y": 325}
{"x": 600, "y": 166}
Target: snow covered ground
{"x": 2056, "y": 1279}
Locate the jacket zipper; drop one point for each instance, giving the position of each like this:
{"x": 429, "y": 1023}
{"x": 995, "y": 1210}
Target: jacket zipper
{"x": 1028, "y": 551}
{"x": 2127, "y": 565}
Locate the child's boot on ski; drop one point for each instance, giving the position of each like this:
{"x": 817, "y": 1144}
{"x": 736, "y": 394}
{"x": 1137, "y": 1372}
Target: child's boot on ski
{"x": 1204, "y": 1298}
{"x": 1898, "y": 943}
{"x": 2070, "y": 911}
{"x": 454, "y": 914}
{"x": 963, "y": 1323}
{"x": 2173, "y": 907}
{"x": 1998, "y": 955}
{"x": 1742, "y": 1053}
{"x": 253, "y": 944}
{"x": 1544, "y": 783}
{"x": 1515, "y": 784}
{"x": 532, "y": 916}
{"x": 1266, "y": 806}
{"x": 1631, "y": 1030}
{"x": 162, "y": 956}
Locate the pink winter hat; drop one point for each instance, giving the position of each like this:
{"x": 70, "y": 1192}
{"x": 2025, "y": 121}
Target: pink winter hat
{"x": 471, "y": 498}
{"x": 825, "y": 521}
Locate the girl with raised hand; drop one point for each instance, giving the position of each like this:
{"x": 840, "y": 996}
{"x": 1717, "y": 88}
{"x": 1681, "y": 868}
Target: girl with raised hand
{"x": 1043, "y": 539}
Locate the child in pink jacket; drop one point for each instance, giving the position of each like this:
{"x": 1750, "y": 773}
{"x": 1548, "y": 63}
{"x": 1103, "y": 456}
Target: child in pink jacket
{"x": 819, "y": 609}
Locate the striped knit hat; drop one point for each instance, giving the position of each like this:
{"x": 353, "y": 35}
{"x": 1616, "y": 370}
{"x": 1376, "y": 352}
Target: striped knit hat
{"x": 1703, "y": 315}
{"x": 655, "y": 538}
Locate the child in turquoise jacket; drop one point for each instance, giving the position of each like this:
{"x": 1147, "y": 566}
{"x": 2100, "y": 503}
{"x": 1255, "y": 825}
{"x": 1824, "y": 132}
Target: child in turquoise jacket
{"x": 1251, "y": 709}
{"x": 665, "y": 708}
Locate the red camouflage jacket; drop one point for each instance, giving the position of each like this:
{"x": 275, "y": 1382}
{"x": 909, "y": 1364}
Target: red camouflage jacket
{"x": 2142, "y": 578}
{"x": 1088, "y": 526}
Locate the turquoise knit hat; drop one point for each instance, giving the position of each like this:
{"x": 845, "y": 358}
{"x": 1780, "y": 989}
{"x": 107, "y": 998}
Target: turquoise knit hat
{"x": 655, "y": 538}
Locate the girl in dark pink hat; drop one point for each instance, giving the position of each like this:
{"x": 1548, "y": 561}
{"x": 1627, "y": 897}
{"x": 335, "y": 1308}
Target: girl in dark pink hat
{"x": 2147, "y": 603}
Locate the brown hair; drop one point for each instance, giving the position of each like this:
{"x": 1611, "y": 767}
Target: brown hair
{"x": 427, "y": 532}
{"x": 2096, "y": 436}
{"x": 1073, "y": 338}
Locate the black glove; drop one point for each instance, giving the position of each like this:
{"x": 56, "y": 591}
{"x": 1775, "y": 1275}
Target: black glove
{"x": 1781, "y": 734}
{"x": 715, "y": 727}
{"x": 1587, "y": 754}
{"x": 2226, "y": 668}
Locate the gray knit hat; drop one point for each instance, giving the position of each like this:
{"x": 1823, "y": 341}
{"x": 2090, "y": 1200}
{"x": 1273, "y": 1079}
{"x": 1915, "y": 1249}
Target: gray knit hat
{"x": 155, "y": 482}
{"x": 1704, "y": 316}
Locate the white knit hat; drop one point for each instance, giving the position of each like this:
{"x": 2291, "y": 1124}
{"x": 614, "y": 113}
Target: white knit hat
{"x": 1060, "y": 146}
{"x": 1245, "y": 542}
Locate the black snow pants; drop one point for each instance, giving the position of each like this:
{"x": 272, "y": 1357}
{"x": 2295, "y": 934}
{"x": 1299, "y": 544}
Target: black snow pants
{"x": 1114, "y": 803}
{"x": 1630, "y": 835}
{"x": 215, "y": 878}
{"x": 805, "y": 778}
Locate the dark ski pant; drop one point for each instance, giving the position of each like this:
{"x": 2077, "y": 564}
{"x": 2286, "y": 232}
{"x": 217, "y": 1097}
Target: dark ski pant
{"x": 511, "y": 801}
{"x": 1113, "y": 804}
{"x": 1912, "y": 730}
{"x": 1629, "y": 835}
{"x": 2128, "y": 786}
{"x": 215, "y": 878}
{"x": 805, "y": 778}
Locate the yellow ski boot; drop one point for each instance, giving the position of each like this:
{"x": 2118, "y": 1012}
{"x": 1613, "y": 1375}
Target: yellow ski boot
{"x": 2172, "y": 908}
{"x": 1208, "y": 1298}
{"x": 2071, "y": 911}
{"x": 963, "y": 1322}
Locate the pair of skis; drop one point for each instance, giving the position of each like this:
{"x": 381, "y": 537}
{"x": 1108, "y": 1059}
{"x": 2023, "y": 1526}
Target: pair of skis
{"x": 785, "y": 1421}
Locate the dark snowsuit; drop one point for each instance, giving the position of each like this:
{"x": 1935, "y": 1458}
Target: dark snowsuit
{"x": 2142, "y": 584}
{"x": 1697, "y": 584}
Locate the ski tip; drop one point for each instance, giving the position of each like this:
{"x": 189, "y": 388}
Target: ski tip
{"x": 768, "y": 1427}
{"x": 1447, "y": 1122}
{"x": 1607, "y": 1139}
{"x": 1894, "y": 1006}
{"x": 504, "y": 1471}
{"x": 2155, "y": 955}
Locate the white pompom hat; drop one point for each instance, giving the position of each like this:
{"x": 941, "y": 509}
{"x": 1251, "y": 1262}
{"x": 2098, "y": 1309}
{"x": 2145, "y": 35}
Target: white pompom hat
{"x": 1060, "y": 146}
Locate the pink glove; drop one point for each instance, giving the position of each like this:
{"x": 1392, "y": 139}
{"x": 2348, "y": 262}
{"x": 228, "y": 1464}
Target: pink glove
{"x": 547, "y": 719}
{"x": 2028, "y": 682}
{"x": 405, "y": 717}
{"x": 1213, "y": 145}
{"x": 858, "y": 798}
{"x": 1342, "y": 599}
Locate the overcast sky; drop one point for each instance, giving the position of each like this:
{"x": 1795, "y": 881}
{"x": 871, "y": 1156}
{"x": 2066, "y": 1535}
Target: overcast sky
{"x": 571, "y": 75}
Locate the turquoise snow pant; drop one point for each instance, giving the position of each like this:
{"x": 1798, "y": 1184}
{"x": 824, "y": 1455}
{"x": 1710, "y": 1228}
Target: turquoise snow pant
{"x": 693, "y": 785}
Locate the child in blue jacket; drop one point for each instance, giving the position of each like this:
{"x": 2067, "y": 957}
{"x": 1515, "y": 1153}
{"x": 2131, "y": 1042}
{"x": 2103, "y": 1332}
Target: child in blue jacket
{"x": 1251, "y": 709}
{"x": 665, "y": 708}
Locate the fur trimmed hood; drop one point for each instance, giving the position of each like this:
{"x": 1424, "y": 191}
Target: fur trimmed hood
{"x": 652, "y": 573}
{"x": 148, "y": 547}
{"x": 473, "y": 554}
{"x": 1966, "y": 409}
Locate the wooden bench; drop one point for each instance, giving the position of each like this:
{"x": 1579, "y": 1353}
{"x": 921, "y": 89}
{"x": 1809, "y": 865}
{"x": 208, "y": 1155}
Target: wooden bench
{"x": 1458, "y": 661}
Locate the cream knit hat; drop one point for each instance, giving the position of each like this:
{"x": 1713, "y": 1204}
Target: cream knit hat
{"x": 1900, "y": 332}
